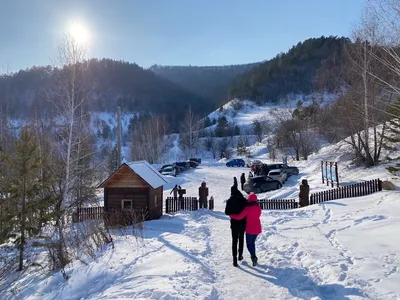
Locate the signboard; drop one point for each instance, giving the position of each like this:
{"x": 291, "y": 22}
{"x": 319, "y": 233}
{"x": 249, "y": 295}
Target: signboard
{"x": 329, "y": 172}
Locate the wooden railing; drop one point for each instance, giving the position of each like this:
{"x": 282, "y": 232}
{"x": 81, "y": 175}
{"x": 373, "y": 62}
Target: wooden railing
{"x": 355, "y": 190}
{"x": 278, "y": 203}
{"x": 186, "y": 203}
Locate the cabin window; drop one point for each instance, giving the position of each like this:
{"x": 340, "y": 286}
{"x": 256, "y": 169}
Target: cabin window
{"x": 126, "y": 204}
{"x": 155, "y": 201}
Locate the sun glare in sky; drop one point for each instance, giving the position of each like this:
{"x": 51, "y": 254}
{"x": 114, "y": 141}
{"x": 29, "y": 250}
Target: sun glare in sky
{"x": 78, "y": 32}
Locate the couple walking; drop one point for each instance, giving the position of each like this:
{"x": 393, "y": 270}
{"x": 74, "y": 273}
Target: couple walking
{"x": 245, "y": 218}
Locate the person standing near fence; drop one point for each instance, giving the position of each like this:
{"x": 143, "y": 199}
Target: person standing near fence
{"x": 252, "y": 213}
{"x": 235, "y": 205}
{"x": 242, "y": 180}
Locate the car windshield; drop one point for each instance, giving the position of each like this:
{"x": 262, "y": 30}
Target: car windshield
{"x": 169, "y": 169}
{"x": 274, "y": 173}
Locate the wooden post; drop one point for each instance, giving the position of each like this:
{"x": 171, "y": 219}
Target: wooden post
{"x": 337, "y": 174}
{"x": 379, "y": 185}
{"x": 322, "y": 170}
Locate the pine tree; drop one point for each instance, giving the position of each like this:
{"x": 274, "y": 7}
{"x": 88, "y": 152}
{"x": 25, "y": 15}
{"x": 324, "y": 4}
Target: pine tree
{"x": 237, "y": 130}
{"x": 241, "y": 148}
{"x": 258, "y": 130}
{"x": 112, "y": 162}
{"x": 222, "y": 127}
{"x": 24, "y": 187}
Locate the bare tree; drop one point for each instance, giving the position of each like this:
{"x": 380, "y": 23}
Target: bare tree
{"x": 190, "y": 133}
{"x": 149, "y": 141}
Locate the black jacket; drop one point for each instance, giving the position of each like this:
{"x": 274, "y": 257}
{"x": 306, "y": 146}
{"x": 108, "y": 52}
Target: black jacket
{"x": 235, "y": 204}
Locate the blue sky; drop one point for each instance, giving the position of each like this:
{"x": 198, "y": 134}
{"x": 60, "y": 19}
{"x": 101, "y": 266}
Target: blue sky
{"x": 169, "y": 32}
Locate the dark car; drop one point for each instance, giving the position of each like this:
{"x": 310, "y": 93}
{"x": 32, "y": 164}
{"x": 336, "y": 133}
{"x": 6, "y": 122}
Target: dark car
{"x": 289, "y": 170}
{"x": 198, "y": 160}
{"x": 177, "y": 168}
{"x": 183, "y": 164}
{"x": 237, "y": 162}
{"x": 193, "y": 164}
{"x": 261, "y": 184}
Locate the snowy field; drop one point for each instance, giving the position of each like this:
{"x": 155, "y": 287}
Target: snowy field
{"x": 342, "y": 249}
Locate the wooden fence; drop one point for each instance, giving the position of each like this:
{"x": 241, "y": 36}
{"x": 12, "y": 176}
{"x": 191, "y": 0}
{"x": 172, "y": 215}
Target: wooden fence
{"x": 186, "y": 203}
{"x": 278, "y": 203}
{"x": 173, "y": 205}
{"x": 88, "y": 213}
{"x": 355, "y": 190}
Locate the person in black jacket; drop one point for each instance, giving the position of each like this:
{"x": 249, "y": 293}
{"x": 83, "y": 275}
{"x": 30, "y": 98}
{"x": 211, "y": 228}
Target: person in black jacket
{"x": 235, "y": 204}
{"x": 242, "y": 180}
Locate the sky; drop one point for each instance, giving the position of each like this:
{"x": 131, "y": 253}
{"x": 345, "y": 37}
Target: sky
{"x": 168, "y": 32}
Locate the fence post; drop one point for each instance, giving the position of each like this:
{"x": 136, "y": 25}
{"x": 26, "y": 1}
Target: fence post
{"x": 379, "y": 185}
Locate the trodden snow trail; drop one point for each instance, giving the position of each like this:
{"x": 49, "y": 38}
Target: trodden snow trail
{"x": 302, "y": 255}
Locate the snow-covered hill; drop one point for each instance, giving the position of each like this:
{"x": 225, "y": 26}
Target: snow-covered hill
{"x": 243, "y": 113}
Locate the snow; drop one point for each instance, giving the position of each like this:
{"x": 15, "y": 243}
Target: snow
{"x": 342, "y": 249}
{"x": 249, "y": 111}
{"x": 148, "y": 173}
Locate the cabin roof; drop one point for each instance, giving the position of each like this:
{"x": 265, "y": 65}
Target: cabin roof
{"x": 145, "y": 171}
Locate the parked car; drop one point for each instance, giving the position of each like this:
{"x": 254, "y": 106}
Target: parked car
{"x": 193, "y": 164}
{"x": 237, "y": 162}
{"x": 255, "y": 163}
{"x": 183, "y": 164}
{"x": 289, "y": 170}
{"x": 171, "y": 171}
{"x": 261, "y": 184}
{"x": 278, "y": 174}
{"x": 198, "y": 160}
{"x": 163, "y": 167}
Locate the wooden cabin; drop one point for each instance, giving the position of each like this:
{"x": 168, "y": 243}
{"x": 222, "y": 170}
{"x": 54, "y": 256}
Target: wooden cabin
{"x": 134, "y": 190}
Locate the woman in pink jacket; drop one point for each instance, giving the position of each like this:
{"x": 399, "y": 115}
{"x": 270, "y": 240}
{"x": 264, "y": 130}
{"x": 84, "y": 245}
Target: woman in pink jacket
{"x": 252, "y": 212}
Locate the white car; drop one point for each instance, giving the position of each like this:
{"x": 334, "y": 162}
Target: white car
{"x": 278, "y": 174}
{"x": 171, "y": 171}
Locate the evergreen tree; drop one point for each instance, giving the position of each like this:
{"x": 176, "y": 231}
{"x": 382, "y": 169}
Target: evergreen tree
{"x": 236, "y": 130}
{"x": 222, "y": 127}
{"x": 207, "y": 122}
{"x": 241, "y": 147}
{"x": 258, "y": 130}
{"x": 24, "y": 187}
{"x": 112, "y": 162}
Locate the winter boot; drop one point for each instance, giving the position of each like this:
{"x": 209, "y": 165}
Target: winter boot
{"x": 240, "y": 257}
{"x": 235, "y": 264}
{"x": 254, "y": 259}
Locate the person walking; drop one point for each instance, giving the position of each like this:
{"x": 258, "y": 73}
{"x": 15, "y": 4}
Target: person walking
{"x": 235, "y": 205}
{"x": 242, "y": 180}
{"x": 252, "y": 213}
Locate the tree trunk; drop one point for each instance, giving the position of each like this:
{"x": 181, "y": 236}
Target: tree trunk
{"x": 22, "y": 220}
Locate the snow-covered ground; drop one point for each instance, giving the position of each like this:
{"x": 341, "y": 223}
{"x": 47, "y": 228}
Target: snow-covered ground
{"x": 342, "y": 249}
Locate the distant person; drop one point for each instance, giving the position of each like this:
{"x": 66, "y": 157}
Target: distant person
{"x": 242, "y": 180}
{"x": 252, "y": 213}
{"x": 304, "y": 193}
{"x": 235, "y": 205}
{"x": 250, "y": 174}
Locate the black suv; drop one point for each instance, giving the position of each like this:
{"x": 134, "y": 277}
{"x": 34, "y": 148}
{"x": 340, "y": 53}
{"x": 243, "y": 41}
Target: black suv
{"x": 261, "y": 184}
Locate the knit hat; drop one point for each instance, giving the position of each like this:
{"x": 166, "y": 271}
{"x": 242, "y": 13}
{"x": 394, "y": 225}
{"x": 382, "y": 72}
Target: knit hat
{"x": 252, "y": 197}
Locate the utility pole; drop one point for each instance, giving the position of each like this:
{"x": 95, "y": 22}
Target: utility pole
{"x": 119, "y": 137}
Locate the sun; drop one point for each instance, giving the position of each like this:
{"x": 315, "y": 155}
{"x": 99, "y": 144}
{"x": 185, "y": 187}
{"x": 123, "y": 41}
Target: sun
{"x": 78, "y": 32}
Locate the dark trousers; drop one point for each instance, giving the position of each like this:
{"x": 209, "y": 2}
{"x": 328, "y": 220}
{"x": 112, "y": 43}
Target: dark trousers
{"x": 242, "y": 184}
{"x": 251, "y": 243}
{"x": 237, "y": 236}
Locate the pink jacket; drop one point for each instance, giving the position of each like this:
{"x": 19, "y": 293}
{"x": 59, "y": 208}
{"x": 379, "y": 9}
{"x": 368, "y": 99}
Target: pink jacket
{"x": 252, "y": 214}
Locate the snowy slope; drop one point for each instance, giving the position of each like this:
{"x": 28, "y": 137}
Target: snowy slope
{"x": 244, "y": 114}
{"x": 343, "y": 249}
